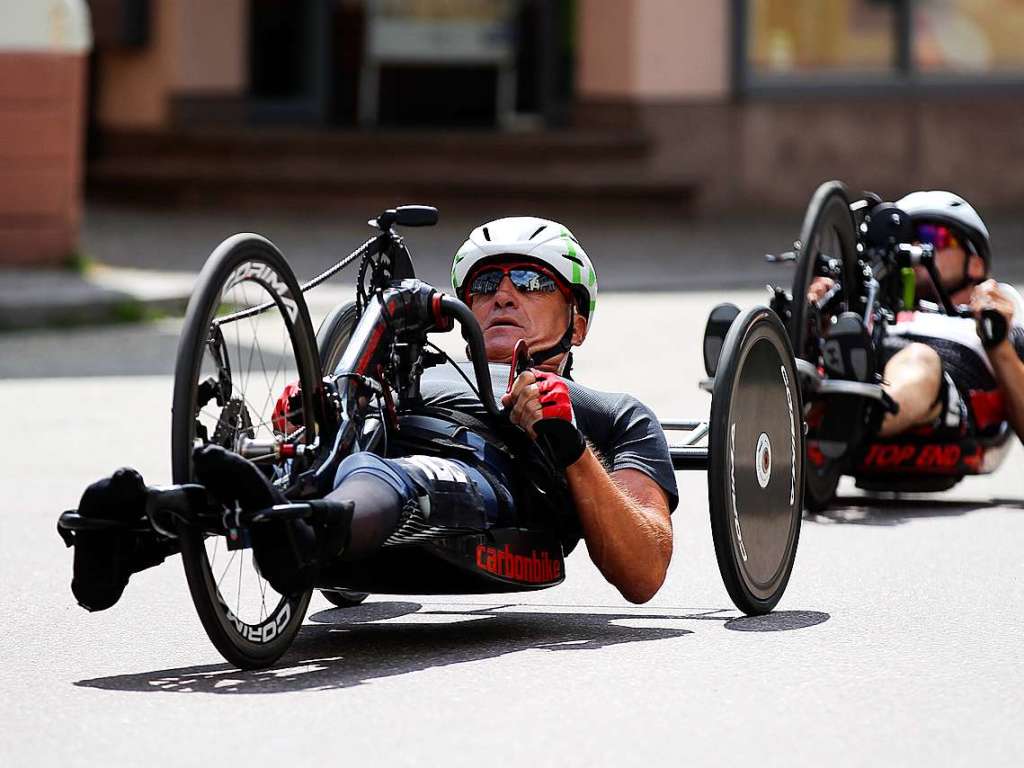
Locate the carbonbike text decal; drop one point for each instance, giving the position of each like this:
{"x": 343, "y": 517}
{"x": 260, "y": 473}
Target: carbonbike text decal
{"x": 261, "y": 633}
{"x": 265, "y": 275}
{"x": 531, "y": 569}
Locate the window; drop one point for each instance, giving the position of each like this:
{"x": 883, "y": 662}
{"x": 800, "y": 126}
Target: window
{"x": 969, "y": 36}
{"x": 811, "y": 37}
{"x": 793, "y": 44}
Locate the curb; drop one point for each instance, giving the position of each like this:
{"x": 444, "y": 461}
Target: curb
{"x": 42, "y": 298}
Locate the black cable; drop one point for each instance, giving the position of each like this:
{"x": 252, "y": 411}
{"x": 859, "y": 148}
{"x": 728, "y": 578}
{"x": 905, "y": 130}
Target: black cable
{"x": 455, "y": 365}
{"x": 241, "y": 315}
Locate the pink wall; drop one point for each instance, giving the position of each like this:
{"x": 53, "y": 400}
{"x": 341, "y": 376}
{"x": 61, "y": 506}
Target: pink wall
{"x": 194, "y": 47}
{"x": 604, "y": 58}
{"x": 653, "y": 49}
{"x": 682, "y": 49}
{"x": 212, "y": 43}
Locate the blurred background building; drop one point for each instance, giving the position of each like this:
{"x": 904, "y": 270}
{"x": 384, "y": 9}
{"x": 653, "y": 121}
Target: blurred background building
{"x": 714, "y": 104}
{"x": 705, "y": 106}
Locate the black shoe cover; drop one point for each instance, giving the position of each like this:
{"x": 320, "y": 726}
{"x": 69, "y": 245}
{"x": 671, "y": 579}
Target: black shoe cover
{"x": 285, "y": 551}
{"x": 848, "y": 352}
{"x": 105, "y": 559}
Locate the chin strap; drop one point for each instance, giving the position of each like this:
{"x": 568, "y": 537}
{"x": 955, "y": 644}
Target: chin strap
{"x": 563, "y": 346}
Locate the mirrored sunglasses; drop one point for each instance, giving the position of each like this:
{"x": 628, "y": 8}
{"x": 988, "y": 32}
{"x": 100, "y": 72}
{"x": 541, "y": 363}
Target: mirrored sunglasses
{"x": 526, "y": 279}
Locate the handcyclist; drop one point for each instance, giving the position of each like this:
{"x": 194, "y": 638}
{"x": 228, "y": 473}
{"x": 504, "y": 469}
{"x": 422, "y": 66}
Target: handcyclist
{"x": 527, "y": 280}
{"x": 935, "y": 366}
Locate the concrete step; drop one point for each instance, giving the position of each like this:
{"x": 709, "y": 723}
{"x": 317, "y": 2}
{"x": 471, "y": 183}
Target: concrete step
{"x": 319, "y": 168}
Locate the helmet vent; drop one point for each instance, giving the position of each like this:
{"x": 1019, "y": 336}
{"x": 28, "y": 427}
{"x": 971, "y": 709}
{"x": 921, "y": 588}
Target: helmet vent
{"x": 540, "y": 229}
{"x": 955, "y": 203}
{"x": 487, "y": 235}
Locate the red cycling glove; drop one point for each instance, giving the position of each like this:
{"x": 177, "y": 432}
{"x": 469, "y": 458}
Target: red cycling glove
{"x": 556, "y": 429}
{"x": 288, "y": 410}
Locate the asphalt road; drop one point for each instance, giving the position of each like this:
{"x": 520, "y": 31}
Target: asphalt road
{"x": 898, "y": 641}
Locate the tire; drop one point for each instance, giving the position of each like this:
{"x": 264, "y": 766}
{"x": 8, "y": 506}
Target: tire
{"x": 755, "y": 472}
{"x": 331, "y": 340}
{"x": 828, "y": 226}
{"x": 245, "y": 270}
{"x": 344, "y": 598}
{"x": 820, "y": 486}
{"x": 334, "y": 335}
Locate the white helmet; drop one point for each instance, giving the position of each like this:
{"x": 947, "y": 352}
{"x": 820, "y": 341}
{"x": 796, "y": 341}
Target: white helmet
{"x": 953, "y": 211}
{"x": 534, "y": 239}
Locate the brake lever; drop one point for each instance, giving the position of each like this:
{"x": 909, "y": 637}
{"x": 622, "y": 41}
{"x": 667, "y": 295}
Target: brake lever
{"x": 520, "y": 362}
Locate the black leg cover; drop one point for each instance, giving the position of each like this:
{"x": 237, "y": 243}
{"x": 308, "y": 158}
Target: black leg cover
{"x": 105, "y": 559}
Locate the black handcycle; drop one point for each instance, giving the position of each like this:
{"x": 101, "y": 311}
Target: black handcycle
{"x": 247, "y": 332}
{"x": 867, "y": 249}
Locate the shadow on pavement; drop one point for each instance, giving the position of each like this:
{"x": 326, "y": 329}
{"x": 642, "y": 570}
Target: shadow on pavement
{"x": 892, "y": 510}
{"x": 347, "y": 647}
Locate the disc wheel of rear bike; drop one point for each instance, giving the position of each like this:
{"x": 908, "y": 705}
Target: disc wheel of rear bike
{"x": 755, "y": 481}
{"x": 233, "y": 363}
{"x": 332, "y": 340}
{"x": 827, "y": 235}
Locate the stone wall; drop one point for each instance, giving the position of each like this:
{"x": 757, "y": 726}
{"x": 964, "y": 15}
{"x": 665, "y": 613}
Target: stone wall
{"x": 771, "y": 154}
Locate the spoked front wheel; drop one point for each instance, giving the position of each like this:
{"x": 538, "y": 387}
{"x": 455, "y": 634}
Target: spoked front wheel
{"x": 246, "y": 335}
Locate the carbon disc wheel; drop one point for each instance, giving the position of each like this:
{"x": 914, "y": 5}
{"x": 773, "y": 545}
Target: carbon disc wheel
{"x": 246, "y": 335}
{"x": 755, "y": 472}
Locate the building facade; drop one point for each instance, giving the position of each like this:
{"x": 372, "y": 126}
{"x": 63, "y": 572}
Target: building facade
{"x": 711, "y": 103}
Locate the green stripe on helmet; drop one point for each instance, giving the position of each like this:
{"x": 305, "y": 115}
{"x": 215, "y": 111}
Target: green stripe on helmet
{"x": 577, "y": 277}
{"x": 570, "y": 246}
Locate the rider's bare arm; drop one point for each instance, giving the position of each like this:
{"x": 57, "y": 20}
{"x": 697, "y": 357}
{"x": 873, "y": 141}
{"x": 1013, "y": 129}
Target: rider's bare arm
{"x": 626, "y": 524}
{"x": 1009, "y": 372}
{"x": 624, "y": 515}
{"x": 1007, "y": 365}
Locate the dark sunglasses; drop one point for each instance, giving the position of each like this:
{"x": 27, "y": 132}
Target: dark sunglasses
{"x": 527, "y": 278}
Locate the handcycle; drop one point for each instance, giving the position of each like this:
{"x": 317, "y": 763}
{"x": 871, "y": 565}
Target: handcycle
{"x": 359, "y": 390}
{"x": 866, "y": 247}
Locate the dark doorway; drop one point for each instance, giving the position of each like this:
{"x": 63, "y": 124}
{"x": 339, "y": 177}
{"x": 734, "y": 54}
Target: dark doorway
{"x": 287, "y": 63}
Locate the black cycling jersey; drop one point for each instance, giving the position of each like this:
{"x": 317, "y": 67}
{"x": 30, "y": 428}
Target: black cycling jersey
{"x": 625, "y": 432}
{"x": 965, "y": 365}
